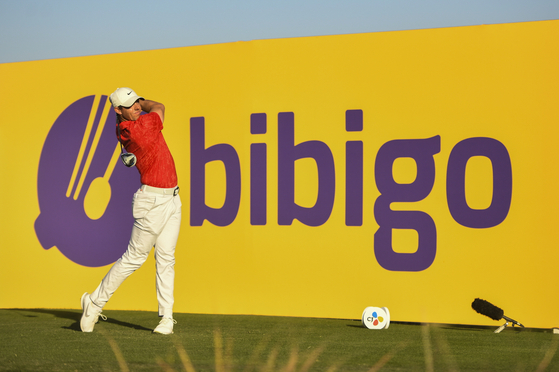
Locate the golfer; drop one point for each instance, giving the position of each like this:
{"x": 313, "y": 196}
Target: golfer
{"x": 156, "y": 208}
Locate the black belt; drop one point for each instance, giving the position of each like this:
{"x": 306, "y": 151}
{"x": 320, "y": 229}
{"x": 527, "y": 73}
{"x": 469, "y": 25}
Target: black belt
{"x": 172, "y": 191}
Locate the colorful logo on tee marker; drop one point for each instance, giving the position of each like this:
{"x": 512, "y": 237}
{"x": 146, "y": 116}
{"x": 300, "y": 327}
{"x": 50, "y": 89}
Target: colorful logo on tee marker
{"x": 84, "y": 190}
{"x": 374, "y": 318}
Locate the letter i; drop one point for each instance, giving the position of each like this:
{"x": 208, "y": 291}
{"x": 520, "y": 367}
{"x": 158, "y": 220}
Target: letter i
{"x": 258, "y": 172}
{"x": 354, "y": 171}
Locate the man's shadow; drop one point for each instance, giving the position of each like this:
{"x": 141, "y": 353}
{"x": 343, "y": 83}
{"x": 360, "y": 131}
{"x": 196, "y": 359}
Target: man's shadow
{"x": 76, "y": 316}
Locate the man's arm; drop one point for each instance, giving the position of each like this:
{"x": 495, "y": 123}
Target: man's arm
{"x": 152, "y": 106}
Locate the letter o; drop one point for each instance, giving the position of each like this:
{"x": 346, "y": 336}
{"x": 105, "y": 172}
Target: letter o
{"x": 456, "y": 182}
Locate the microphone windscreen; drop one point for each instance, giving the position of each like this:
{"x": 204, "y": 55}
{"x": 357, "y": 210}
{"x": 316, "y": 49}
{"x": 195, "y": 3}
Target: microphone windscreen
{"x": 488, "y": 309}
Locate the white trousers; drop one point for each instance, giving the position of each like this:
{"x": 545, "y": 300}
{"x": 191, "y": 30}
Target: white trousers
{"x": 157, "y": 220}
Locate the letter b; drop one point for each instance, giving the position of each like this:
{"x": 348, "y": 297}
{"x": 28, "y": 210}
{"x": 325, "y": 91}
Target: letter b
{"x": 288, "y": 153}
{"x": 199, "y": 157}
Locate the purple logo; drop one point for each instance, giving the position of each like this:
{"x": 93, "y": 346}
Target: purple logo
{"x": 84, "y": 190}
{"x": 422, "y": 151}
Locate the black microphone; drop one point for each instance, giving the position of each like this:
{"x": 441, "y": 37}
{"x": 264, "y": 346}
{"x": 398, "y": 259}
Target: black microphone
{"x": 488, "y": 309}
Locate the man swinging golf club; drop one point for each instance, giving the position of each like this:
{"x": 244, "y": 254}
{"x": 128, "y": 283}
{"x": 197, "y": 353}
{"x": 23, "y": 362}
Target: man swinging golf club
{"x": 156, "y": 208}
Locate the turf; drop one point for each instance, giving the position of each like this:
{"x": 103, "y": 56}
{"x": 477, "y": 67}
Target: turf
{"x": 50, "y": 340}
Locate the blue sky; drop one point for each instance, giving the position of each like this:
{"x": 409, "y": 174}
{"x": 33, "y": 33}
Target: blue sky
{"x": 46, "y": 29}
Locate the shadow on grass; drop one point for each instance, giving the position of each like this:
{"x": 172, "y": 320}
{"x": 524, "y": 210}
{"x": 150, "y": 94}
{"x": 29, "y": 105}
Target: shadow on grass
{"x": 469, "y": 327}
{"x": 473, "y": 327}
{"x": 76, "y": 316}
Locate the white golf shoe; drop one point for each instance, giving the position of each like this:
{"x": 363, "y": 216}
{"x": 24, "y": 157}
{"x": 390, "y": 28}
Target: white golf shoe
{"x": 165, "y": 326}
{"x": 91, "y": 314}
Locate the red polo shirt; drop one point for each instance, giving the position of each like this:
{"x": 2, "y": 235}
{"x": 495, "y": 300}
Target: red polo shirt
{"x": 144, "y": 139}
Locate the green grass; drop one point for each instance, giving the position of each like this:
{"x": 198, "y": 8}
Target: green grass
{"x": 50, "y": 340}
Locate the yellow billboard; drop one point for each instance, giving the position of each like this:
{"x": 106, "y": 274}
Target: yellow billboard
{"x": 413, "y": 170}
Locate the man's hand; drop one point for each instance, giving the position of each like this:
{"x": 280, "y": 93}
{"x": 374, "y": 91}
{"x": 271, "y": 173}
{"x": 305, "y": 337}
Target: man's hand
{"x": 152, "y": 106}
